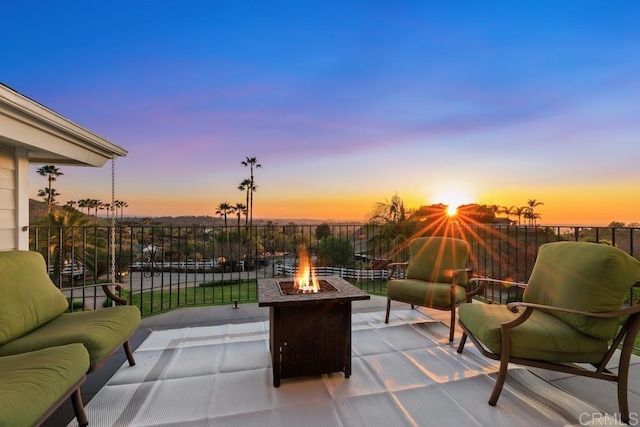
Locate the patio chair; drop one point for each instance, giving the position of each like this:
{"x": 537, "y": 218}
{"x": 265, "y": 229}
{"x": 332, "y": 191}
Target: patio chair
{"x": 436, "y": 276}
{"x": 571, "y": 315}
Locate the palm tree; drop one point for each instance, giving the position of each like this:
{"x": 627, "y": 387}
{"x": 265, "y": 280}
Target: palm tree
{"x": 85, "y": 203}
{"x": 121, "y": 205}
{"x": 251, "y": 162}
{"x": 246, "y": 186}
{"x": 239, "y": 210}
{"x": 393, "y": 226}
{"x": 52, "y": 173}
{"x": 531, "y": 204}
{"x": 223, "y": 210}
{"x": 49, "y": 195}
{"x": 60, "y": 244}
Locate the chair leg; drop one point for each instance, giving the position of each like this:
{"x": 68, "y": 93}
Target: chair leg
{"x": 452, "y": 325}
{"x": 78, "y": 408}
{"x": 129, "y": 353}
{"x": 386, "y": 318}
{"x": 502, "y": 375}
{"x": 463, "y": 340}
{"x": 623, "y": 378}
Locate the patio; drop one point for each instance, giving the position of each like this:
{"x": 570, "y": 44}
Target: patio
{"x": 585, "y": 400}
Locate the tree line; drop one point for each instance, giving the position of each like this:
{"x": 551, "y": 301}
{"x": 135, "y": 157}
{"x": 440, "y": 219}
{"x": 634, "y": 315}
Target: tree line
{"x": 49, "y": 195}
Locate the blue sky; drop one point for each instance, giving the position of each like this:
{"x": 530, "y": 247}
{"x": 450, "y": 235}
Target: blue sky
{"x": 343, "y": 103}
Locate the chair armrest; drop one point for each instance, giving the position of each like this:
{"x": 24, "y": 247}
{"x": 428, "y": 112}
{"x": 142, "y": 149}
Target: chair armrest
{"x": 483, "y": 284}
{"x": 397, "y": 270}
{"x": 515, "y": 308}
{"x": 106, "y": 288}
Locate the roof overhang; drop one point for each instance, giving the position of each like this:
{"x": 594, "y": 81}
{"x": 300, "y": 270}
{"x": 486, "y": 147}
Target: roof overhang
{"x": 48, "y": 137}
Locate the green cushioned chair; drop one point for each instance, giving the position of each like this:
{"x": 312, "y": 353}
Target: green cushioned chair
{"x": 571, "y": 311}
{"x": 32, "y": 313}
{"x": 33, "y": 385}
{"x": 436, "y": 276}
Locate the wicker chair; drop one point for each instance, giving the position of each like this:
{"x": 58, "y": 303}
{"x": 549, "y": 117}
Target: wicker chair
{"x": 436, "y": 276}
{"x": 570, "y": 315}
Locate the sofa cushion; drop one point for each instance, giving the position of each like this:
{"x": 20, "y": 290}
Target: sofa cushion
{"x": 101, "y": 332}
{"x": 583, "y": 276}
{"x": 420, "y": 292}
{"x": 33, "y": 383}
{"x": 434, "y": 258}
{"x": 541, "y": 337}
{"x": 28, "y": 298}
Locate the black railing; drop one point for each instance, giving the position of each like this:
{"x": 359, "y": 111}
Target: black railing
{"x": 163, "y": 268}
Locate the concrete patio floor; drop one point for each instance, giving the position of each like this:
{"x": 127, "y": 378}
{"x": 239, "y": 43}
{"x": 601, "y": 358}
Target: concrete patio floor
{"x": 599, "y": 393}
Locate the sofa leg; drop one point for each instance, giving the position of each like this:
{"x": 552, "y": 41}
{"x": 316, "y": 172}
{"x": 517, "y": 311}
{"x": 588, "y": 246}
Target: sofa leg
{"x": 463, "y": 340}
{"x": 78, "y": 408}
{"x": 386, "y": 318}
{"x": 129, "y": 353}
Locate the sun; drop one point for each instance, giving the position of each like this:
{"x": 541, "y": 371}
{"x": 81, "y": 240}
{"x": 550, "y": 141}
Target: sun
{"x": 452, "y": 196}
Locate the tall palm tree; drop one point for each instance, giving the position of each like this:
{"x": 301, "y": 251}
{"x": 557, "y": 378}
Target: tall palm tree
{"x": 531, "y": 204}
{"x": 246, "y": 186}
{"x": 223, "y": 210}
{"x": 52, "y": 173}
{"x": 251, "y": 162}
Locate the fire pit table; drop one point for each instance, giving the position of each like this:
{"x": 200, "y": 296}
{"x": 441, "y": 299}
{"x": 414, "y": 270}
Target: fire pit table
{"x": 309, "y": 333}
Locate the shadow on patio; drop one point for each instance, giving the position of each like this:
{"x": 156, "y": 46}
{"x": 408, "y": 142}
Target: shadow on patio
{"x": 404, "y": 373}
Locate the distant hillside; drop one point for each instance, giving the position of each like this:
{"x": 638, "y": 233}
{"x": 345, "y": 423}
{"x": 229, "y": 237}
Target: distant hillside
{"x": 38, "y": 209}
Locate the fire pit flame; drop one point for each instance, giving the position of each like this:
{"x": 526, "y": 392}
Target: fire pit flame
{"x": 305, "y": 281}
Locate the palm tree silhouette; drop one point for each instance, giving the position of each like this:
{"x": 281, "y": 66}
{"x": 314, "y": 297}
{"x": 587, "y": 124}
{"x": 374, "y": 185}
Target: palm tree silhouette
{"x": 251, "y": 162}
{"x": 52, "y": 173}
{"x": 223, "y": 210}
{"x": 246, "y": 186}
{"x": 531, "y": 204}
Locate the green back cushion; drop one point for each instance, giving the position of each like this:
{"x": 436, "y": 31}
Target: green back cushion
{"x": 28, "y": 298}
{"x": 433, "y": 259}
{"x": 582, "y": 276}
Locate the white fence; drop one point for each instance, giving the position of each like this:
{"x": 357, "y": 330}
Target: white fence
{"x": 345, "y": 273}
{"x": 179, "y": 266}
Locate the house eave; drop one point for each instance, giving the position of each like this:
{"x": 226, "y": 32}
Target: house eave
{"x": 49, "y": 137}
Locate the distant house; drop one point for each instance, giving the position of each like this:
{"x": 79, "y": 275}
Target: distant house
{"x": 30, "y": 133}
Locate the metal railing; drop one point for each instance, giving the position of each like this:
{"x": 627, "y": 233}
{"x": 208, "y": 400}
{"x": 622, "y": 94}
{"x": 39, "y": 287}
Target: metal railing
{"x": 163, "y": 268}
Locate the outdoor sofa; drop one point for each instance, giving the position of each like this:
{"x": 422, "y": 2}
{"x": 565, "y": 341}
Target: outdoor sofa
{"x": 34, "y": 315}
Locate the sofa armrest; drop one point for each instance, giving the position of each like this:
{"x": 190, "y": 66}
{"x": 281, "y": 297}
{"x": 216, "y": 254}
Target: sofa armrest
{"x": 106, "y": 288}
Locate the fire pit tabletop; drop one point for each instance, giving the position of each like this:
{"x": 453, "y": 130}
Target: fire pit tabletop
{"x": 269, "y": 293}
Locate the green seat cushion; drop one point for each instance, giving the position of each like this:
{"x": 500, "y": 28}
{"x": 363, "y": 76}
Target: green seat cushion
{"x": 32, "y": 383}
{"x": 420, "y": 292}
{"x": 434, "y": 259}
{"x": 583, "y": 276}
{"x": 28, "y": 298}
{"x": 541, "y": 337}
{"x": 101, "y": 332}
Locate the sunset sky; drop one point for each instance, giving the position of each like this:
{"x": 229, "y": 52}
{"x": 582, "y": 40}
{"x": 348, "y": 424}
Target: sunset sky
{"x": 343, "y": 103}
